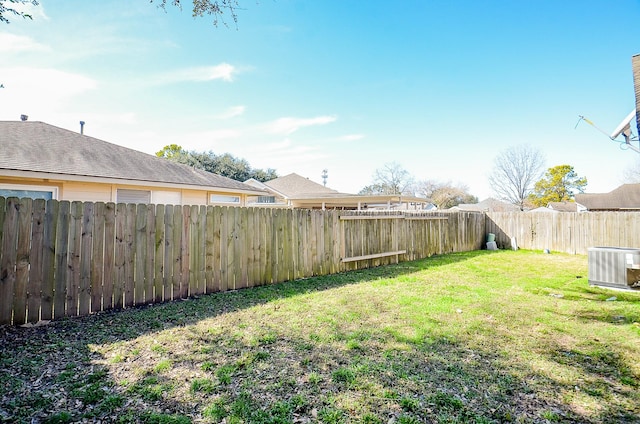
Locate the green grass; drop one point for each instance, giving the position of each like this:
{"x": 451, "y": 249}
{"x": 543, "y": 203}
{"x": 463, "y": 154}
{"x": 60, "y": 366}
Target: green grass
{"x": 478, "y": 337}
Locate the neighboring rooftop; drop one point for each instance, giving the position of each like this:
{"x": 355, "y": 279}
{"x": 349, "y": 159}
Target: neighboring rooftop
{"x": 487, "y": 205}
{"x": 294, "y": 185}
{"x": 563, "y": 206}
{"x": 39, "y": 147}
{"x": 625, "y": 197}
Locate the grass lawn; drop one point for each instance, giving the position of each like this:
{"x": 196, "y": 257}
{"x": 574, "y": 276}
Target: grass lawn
{"x": 472, "y": 337}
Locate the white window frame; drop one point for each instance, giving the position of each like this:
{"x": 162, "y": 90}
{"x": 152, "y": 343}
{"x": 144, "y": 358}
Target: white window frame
{"x": 28, "y": 187}
{"x": 217, "y": 199}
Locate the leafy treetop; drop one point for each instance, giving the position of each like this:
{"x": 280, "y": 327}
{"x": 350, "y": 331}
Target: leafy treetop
{"x": 559, "y": 184}
{"x": 226, "y": 164}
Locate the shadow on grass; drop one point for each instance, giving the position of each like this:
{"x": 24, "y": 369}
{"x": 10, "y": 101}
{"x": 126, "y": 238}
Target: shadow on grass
{"x": 55, "y": 373}
{"x": 44, "y": 370}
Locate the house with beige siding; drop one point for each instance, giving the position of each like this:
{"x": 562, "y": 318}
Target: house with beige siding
{"x": 39, "y": 160}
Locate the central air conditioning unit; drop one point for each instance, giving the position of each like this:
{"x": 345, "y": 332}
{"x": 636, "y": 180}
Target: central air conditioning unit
{"x": 614, "y": 267}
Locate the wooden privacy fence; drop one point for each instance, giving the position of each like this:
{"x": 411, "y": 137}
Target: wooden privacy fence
{"x": 565, "y": 232}
{"x": 61, "y": 258}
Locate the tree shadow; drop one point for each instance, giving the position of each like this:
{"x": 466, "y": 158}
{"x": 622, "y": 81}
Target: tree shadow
{"x": 49, "y": 370}
{"x": 124, "y": 366}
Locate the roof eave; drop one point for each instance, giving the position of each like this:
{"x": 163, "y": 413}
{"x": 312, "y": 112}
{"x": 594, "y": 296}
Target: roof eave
{"x": 124, "y": 181}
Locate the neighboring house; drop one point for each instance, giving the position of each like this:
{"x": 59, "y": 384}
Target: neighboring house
{"x": 487, "y": 205}
{"x": 296, "y": 191}
{"x": 624, "y": 198}
{"x": 39, "y": 160}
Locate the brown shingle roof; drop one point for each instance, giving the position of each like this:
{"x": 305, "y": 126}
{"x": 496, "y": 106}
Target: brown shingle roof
{"x": 40, "y": 147}
{"x": 564, "y": 206}
{"x": 627, "y": 196}
{"x": 294, "y": 185}
{"x": 488, "y": 205}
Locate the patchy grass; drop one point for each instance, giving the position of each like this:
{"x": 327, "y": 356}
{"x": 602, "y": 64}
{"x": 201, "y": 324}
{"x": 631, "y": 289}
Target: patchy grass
{"x": 484, "y": 337}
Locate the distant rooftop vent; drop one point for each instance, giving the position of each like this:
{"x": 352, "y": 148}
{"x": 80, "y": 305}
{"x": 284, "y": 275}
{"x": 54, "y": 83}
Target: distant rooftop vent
{"x": 81, "y": 127}
{"x": 23, "y": 117}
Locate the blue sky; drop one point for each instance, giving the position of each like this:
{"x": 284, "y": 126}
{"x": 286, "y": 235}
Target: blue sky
{"x": 438, "y": 86}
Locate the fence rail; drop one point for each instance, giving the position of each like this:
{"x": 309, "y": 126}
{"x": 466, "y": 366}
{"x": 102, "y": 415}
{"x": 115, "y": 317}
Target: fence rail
{"x": 60, "y": 258}
{"x": 565, "y": 232}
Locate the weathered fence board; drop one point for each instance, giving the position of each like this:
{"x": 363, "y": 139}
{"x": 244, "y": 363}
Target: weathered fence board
{"x": 84, "y": 294}
{"x": 34, "y": 286}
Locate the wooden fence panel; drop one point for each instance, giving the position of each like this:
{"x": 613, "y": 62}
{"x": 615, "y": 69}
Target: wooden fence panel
{"x": 98, "y": 257}
{"x": 177, "y": 252}
{"x": 84, "y": 290}
{"x": 34, "y": 286}
{"x": 240, "y": 247}
{"x": 266, "y": 257}
{"x": 565, "y": 232}
{"x": 73, "y": 270}
{"x": 150, "y": 255}
{"x": 9, "y": 255}
{"x": 185, "y": 255}
{"x": 217, "y": 248}
{"x": 159, "y": 254}
{"x": 120, "y": 256}
{"x": 130, "y": 253}
{"x": 140, "y": 261}
{"x": 62, "y": 258}
{"x": 169, "y": 260}
{"x": 22, "y": 260}
{"x": 202, "y": 249}
{"x": 109, "y": 276}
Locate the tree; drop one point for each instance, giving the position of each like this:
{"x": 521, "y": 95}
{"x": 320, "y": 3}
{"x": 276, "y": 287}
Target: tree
{"x": 11, "y": 9}
{"x": 216, "y": 8}
{"x": 559, "y": 184}
{"x": 390, "y": 179}
{"x": 226, "y": 164}
{"x": 445, "y": 194}
{"x": 515, "y": 172}
{"x": 171, "y": 151}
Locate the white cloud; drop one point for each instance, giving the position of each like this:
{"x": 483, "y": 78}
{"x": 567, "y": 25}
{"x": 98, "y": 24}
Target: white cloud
{"x": 232, "y": 112}
{"x": 351, "y": 137}
{"x": 289, "y": 125}
{"x": 223, "y": 71}
{"x": 19, "y": 43}
{"x": 34, "y": 91}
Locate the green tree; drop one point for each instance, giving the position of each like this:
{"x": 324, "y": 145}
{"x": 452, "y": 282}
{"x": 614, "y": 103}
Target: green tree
{"x": 10, "y": 9}
{"x": 559, "y": 184}
{"x": 171, "y": 151}
{"x": 226, "y": 164}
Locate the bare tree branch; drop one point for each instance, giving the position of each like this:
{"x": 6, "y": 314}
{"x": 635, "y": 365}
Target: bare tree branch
{"x": 218, "y": 9}
{"x": 515, "y": 172}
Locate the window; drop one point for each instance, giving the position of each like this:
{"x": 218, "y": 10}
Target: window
{"x": 29, "y": 191}
{"x": 221, "y": 198}
{"x": 133, "y": 196}
{"x": 266, "y": 199}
